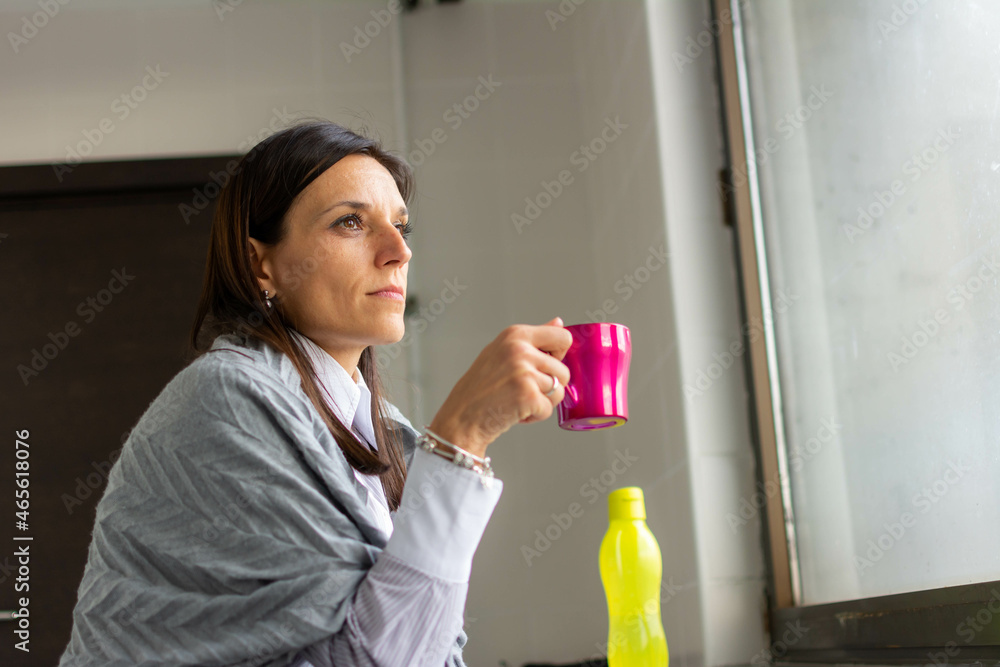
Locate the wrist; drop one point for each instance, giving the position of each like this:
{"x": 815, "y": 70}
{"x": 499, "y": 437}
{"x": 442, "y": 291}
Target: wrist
{"x": 435, "y": 443}
{"x": 454, "y": 433}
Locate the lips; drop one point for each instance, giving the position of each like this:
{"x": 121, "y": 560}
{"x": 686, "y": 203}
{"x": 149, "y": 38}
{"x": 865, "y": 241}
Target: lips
{"x": 389, "y": 288}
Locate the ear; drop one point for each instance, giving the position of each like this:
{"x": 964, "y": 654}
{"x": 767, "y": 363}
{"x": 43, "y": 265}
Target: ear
{"x": 261, "y": 265}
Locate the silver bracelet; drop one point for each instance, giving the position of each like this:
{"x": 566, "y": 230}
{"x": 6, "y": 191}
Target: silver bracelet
{"x": 432, "y": 442}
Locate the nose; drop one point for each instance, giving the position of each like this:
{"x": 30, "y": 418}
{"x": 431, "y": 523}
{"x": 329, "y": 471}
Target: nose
{"x": 392, "y": 247}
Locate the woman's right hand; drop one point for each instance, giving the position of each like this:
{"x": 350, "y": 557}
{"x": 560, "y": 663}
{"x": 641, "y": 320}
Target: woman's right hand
{"x": 506, "y": 385}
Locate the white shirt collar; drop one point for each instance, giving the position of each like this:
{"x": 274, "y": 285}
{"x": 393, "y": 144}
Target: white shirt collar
{"x": 351, "y": 401}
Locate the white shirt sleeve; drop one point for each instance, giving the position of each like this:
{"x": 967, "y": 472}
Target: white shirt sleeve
{"x": 408, "y": 608}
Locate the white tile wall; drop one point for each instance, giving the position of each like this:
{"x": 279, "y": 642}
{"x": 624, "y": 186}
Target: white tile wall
{"x": 225, "y": 76}
{"x": 652, "y": 186}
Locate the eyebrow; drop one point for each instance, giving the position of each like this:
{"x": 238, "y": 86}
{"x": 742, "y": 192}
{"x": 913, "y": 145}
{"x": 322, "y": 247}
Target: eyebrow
{"x": 358, "y": 204}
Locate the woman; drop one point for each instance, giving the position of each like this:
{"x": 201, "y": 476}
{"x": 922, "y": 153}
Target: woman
{"x": 270, "y": 507}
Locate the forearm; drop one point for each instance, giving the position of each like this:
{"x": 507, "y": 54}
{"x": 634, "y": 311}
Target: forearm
{"x": 400, "y": 616}
{"x": 409, "y": 608}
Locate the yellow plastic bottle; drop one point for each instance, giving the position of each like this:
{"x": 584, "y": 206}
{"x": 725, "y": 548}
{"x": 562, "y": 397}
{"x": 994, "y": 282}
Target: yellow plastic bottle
{"x": 631, "y": 571}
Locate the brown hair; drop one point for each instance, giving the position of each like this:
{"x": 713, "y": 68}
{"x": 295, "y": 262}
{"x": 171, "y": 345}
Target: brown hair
{"x": 253, "y": 204}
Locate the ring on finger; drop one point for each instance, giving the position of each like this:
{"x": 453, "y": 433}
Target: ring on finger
{"x": 555, "y": 386}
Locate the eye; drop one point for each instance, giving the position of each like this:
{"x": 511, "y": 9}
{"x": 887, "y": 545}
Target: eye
{"x": 355, "y": 218}
{"x": 348, "y": 218}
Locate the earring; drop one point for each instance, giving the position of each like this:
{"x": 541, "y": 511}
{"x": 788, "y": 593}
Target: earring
{"x": 267, "y": 300}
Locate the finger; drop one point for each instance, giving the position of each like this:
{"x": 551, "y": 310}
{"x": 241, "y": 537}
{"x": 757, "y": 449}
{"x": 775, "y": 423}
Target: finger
{"x": 551, "y": 338}
{"x": 546, "y": 384}
{"x": 544, "y": 406}
{"x": 548, "y": 364}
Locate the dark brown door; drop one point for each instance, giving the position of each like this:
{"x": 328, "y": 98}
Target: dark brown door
{"x": 100, "y": 278}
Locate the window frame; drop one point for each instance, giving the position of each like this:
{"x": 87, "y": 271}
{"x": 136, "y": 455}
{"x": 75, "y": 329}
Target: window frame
{"x": 921, "y": 627}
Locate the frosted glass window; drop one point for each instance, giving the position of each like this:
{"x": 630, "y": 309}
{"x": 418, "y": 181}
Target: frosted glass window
{"x": 877, "y": 133}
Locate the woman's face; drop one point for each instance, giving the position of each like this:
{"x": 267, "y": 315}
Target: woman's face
{"x": 343, "y": 242}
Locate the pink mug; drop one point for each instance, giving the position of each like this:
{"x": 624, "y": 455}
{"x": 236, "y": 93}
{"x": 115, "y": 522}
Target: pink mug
{"x": 597, "y": 393}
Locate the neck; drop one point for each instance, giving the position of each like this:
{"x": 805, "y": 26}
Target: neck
{"x": 347, "y": 358}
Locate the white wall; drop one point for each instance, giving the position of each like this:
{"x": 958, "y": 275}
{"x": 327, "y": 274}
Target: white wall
{"x": 653, "y": 186}
{"x": 704, "y": 285}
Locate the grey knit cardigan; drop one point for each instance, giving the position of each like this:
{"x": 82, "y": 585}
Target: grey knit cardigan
{"x": 232, "y": 530}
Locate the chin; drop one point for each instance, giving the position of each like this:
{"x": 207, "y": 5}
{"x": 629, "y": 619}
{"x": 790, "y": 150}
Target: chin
{"x": 391, "y": 335}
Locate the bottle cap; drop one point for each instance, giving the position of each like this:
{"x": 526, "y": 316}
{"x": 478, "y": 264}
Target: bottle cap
{"x": 626, "y": 503}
